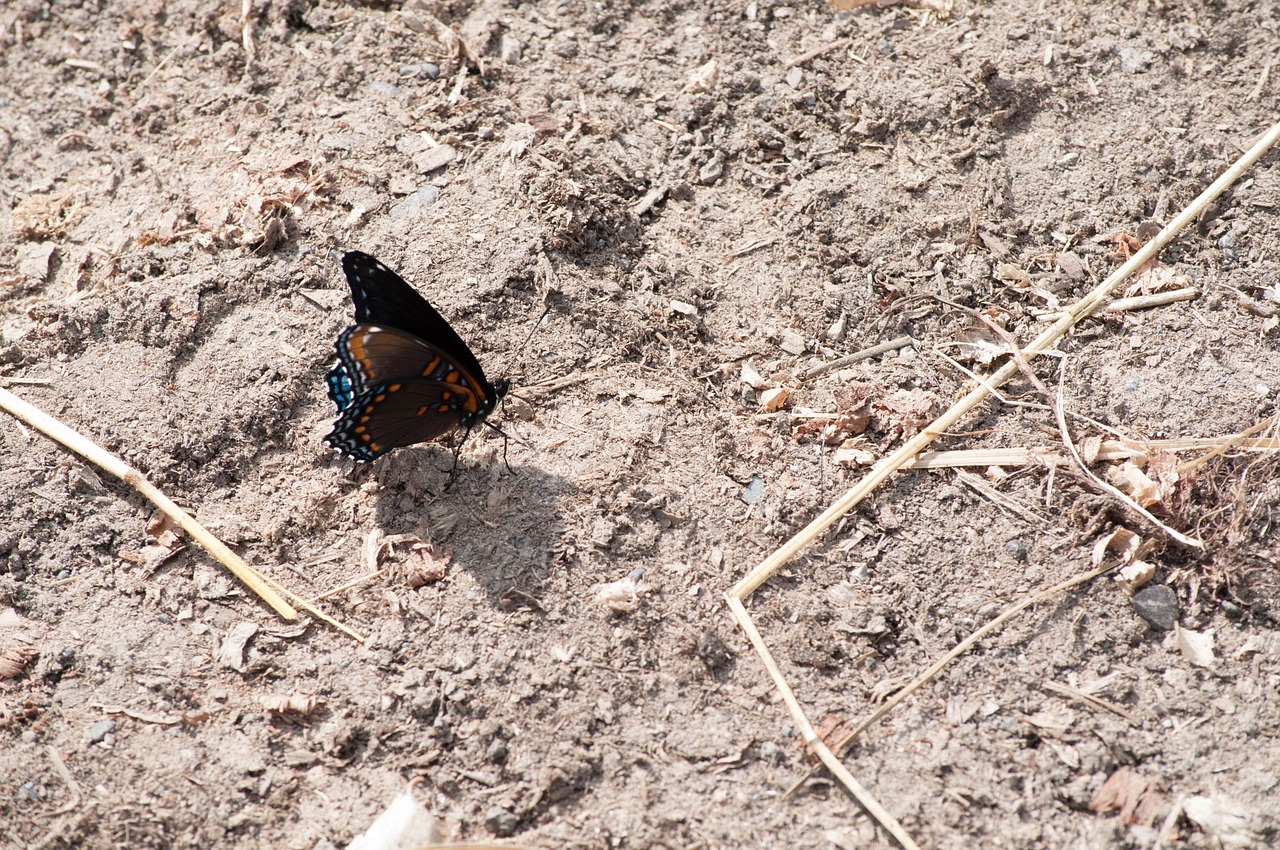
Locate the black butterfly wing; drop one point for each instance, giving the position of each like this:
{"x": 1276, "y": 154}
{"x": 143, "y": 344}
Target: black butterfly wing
{"x": 374, "y": 354}
{"x": 403, "y": 375}
{"x": 383, "y": 298}
{"x": 401, "y": 413}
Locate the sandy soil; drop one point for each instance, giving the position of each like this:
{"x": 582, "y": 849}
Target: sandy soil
{"x": 618, "y": 228}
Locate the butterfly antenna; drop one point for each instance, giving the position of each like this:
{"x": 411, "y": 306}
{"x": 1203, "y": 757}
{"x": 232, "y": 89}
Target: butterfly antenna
{"x": 536, "y": 324}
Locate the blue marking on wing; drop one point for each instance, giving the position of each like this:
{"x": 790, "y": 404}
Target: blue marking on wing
{"x": 340, "y": 388}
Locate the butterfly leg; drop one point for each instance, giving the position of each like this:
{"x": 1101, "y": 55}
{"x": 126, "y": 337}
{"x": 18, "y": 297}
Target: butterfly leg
{"x": 505, "y": 441}
{"x": 457, "y": 451}
{"x": 453, "y": 470}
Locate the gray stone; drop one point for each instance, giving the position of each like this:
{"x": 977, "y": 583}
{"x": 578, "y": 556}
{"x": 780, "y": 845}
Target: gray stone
{"x": 1017, "y": 549}
{"x": 772, "y": 753}
{"x": 100, "y": 730}
{"x": 753, "y": 491}
{"x": 501, "y": 822}
{"x": 711, "y": 171}
{"x": 34, "y": 259}
{"x": 423, "y": 71}
{"x": 510, "y": 49}
{"x": 1134, "y": 60}
{"x": 1158, "y": 605}
{"x": 416, "y": 203}
{"x": 792, "y": 343}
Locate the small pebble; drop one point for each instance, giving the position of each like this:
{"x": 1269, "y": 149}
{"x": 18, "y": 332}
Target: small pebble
{"x": 100, "y": 730}
{"x": 753, "y": 491}
{"x": 438, "y": 157}
{"x": 1229, "y": 243}
{"x": 565, "y": 48}
{"x": 509, "y": 49}
{"x": 501, "y": 822}
{"x": 33, "y": 260}
{"x": 416, "y": 203}
{"x": 1158, "y": 605}
{"x": 792, "y": 343}
{"x": 497, "y": 751}
{"x": 1017, "y": 549}
{"x": 384, "y": 88}
{"x": 1134, "y": 60}
{"x": 711, "y": 171}
{"x": 425, "y": 71}
{"x": 771, "y": 753}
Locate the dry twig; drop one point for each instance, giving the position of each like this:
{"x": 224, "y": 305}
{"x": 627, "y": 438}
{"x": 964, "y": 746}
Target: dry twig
{"x": 810, "y": 735}
{"x": 818, "y": 51}
{"x": 61, "y": 768}
{"x": 266, "y": 588}
{"x": 840, "y": 362}
{"x": 1239, "y": 440}
{"x": 1096, "y": 702}
{"x": 1159, "y": 299}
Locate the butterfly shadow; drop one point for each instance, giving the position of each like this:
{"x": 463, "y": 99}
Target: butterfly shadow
{"x": 502, "y": 526}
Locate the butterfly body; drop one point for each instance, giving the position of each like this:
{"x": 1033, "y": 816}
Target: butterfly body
{"x": 403, "y": 375}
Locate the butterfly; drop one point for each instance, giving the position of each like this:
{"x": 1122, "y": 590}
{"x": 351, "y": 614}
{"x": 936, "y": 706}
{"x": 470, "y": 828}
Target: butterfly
{"x": 403, "y": 375}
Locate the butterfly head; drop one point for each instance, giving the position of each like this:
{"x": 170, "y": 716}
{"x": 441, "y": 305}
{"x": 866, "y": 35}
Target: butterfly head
{"x": 494, "y": 391}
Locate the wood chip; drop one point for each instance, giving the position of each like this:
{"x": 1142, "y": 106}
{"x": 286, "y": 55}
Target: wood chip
{"x": 437, "y": 157}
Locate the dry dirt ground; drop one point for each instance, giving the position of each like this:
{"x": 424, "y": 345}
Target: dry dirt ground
{"x": 619, "y": 227}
